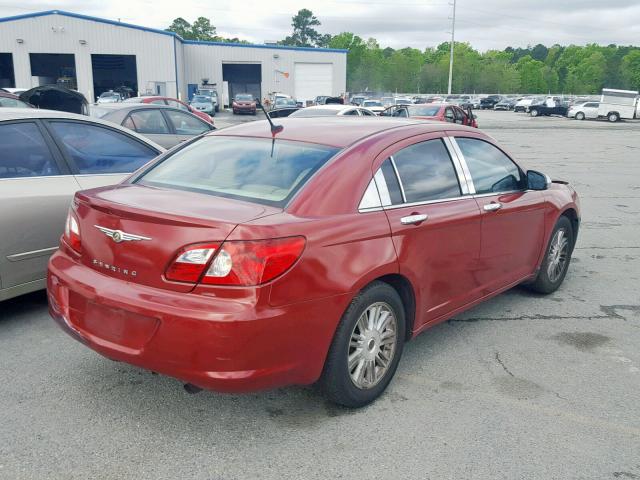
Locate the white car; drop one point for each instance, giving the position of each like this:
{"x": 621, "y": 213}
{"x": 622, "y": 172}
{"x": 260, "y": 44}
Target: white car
{"x": 331, "y": 110}
{"x": 375, "y": 106}
{"x": 524, "y": 103}
{"x": 583, "y": 110}
{"x": 109, "y": 97}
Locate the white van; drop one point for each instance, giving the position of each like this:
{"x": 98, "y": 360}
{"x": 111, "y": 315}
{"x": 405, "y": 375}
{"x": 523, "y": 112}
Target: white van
{"x": 618, "y": 104}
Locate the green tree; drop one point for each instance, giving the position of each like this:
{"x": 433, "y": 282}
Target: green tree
{"x": 304, "y": 34}
{"x": 203, "y": 30}
{"x": 531, "y": 75}
{"x": 181, "y": 27}
{"x": 630, "y": 67}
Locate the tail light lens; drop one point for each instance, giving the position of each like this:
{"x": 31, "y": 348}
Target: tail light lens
{"x": 72, "y": 232}
{"x": 237, "y": 263}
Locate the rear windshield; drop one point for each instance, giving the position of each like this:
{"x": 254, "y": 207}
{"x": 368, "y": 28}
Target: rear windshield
{"x": 315, "y": 112}
{"x": 245, "y": 169}
{"x": 424, "y": 111}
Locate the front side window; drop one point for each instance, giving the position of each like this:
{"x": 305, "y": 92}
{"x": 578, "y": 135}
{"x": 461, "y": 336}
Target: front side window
{"x": 95, "y": 149}
{"x": 426, "y": 172}
{"x": 491, "y": 170}
{"x": 448, "y": 115}
{"x": 24, "y": 152}
{"x": 251, "y": 169}
{"x": 186, "y": 124}
{"x": 351, "y": 112}
{"x": 147, "y": 122}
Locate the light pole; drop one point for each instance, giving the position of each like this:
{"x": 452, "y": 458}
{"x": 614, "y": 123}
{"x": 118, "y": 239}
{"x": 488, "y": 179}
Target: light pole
{"x": 453, "y": 32}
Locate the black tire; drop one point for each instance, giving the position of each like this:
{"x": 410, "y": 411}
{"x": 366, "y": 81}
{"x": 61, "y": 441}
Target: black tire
{"x": 613, "y": 117}
{"x": 336, "y": 382}
{"x": 534, "y": 112}
{"x": 217, "y": 108}
{"x": 544, "y": 283}
{"x": 580, "y": 116}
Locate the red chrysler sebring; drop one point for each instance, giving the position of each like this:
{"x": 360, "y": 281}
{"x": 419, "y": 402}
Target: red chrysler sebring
{"x": 244, "y": 261}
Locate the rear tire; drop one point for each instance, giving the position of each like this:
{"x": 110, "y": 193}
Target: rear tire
{"x": 556, "y": 259}
{"x": 580, "y": 116}
{"x": 613, "y": 117}
{"x": 534, "y": 112}
{"x": 366, "y": 347}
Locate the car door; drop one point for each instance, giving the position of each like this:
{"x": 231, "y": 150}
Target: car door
{"x": 185, "y": 125}
{"x": 152, "y": 124}
{"x": 99, "y": 155}
{"x": 36, "y": 188}
{"x": 591, "y": 110}
{"x": 512, "y": 216}
{"x": 435, "y": 224}
{"x": 449, "y": 115}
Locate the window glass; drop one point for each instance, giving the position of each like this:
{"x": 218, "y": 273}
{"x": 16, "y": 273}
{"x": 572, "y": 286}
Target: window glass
{"x": 426, "y": 172}
{"x": 149, "y": 122}
{"x": 158, "y": 102}
{"x": 366, "y": 113}
{"x": 12, "y": 103}
{"x": 186, "y": 124}
{"x": 491, "y": 170}
{"x": 24, "y": 152}
{"x": 96, "y": 149}
{"x": 257, "y": 170}
{"x": 448, "y": 115}
{"x": 351, "y": 112}
{"x": 391, "y": 179}
{"x": 176, "y": 104}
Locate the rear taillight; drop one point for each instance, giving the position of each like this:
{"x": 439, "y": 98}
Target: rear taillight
{"x": 72, "y": 232}
{"x": 238, "y": 263}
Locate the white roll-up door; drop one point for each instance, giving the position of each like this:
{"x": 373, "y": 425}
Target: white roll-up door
{"x": 312, "y": 79}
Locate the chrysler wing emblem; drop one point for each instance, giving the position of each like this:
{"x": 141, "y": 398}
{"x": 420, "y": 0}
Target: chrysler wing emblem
{"x": 120, "y": 236}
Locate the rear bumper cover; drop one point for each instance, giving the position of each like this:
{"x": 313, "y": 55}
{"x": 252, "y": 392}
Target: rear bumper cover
{"x": 230, "y": 345}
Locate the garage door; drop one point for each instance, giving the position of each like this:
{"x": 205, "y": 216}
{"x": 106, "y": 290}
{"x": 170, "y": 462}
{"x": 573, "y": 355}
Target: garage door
{"x": 313, "y": 79}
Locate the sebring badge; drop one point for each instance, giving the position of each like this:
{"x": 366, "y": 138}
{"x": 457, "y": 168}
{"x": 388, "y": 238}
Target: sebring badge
{"x": 120, "y": 236}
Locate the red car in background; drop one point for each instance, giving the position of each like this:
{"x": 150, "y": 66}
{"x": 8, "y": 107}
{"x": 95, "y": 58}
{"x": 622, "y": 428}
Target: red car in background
{"x": 256, "y": 257}
{"x": 172, "y": 102}
{"x": 442, "y": 112}
{"x": 244, "y": 103}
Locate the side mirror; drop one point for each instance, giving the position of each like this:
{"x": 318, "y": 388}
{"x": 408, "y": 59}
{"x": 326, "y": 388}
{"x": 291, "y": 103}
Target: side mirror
{"x": 537, "y": 180}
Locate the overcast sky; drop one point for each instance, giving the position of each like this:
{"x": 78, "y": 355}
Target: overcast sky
{"x": 485, "y": 24}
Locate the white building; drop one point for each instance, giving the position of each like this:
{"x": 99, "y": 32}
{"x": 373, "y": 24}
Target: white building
{"x": 96, "y": 55}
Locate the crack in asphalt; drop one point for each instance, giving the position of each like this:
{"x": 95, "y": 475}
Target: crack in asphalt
{"x": 504, "y": 367}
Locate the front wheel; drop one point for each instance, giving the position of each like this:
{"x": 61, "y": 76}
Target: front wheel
{"x": 366, "y": 348}
{"x": 579, "y": 116}
{"x": 556, "y": 260}
{"x": 534, "y": 112}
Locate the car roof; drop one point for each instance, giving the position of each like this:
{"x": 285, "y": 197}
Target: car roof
{"x": 8, "y": 95}
{"x": 7, "y": 114}
{"x": 334, "y": 131}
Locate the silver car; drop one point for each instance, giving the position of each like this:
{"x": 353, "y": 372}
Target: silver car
{"x": 584, "y": 110}
{"x": 46, "y": 156}
{"x": 164, "y": 125}
{"x": 203, "y": 103}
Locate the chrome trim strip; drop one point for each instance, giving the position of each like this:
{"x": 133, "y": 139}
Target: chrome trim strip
{"x": 395, "y": 169}
{"x": 120, "y": 236}
{"x": 491, "y": 194}
{"x": 371, "y": 197}
{"x": 429, "y": 202}
{"x": 462, "y": 180}
{"x": 32, "y": 254}
{"x": 383, "y": 189}
{"x": 463, "y": 163}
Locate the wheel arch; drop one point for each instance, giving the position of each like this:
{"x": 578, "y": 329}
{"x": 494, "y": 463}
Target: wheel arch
{"x": 404, "y": 288}
{"x": 572, "y": 215}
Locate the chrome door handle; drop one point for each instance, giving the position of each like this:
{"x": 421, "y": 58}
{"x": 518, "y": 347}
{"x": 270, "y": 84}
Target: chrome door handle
{"x": 492, "y": 207}
{"x": 413, "y": 219}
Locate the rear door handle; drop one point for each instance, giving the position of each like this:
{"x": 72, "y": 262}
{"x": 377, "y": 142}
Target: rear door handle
{"x": 492, "y": 207}
{"x": 413, "y": 219}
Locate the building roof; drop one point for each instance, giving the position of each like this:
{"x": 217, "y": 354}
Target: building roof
{"x": 164, "y": 32}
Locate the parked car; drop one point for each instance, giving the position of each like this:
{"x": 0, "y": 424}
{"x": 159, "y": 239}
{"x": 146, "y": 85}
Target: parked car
{"x": 548, "y": 108}
{"x": 321, "y": 99}
{"x": 9, "y": 100}
{"x": 374, "y": 105}
{"x": 524, "y": 103}
{"x": 15, "y": 91}
{"x": 213, "y": 94}
{"x": 56, "y": 97}
{"x": 488, "y": 102}
{"x": 244, "y": 103}
{"x": 203, "y": 104}
{"x": 162, "y": 124}
{"x": 583, "y": 110}
{"x": 505, "y": 104}
{"x": 403, "y": 101}
{"x": 109, "y": 97}
{"x": 286, "y": 103}
{"x": 357, "y": 100}
{"x": 442, "y": 112}
{"x": 387, "y": 101}
{"x": 619, "y": 104}
{"x": 175, "y": 103}
{"x": 251, "y": 260}
{"x": 330, "y": 110}
{"x": 46, "y": 156}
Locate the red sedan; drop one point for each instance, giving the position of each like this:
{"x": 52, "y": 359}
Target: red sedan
{"x": 442, "y": 112}
{"x": 172, "y": 102}
{"x": 241, "y": 261}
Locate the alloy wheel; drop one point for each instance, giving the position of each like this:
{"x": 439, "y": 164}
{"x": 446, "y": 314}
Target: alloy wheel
{"x": 558, "y": 255}
{"x": 372, "y": 345}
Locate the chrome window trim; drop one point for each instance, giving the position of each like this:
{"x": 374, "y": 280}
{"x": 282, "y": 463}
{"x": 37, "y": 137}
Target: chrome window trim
{"x": 427, "y": 202}
{"x": 457, "y": 165}
{"x": 491, "y": 194}
{"x": 382, "y": 187}
{"x": 395, "y": 169}
{"x": 378, "y": 187}
{"x": 463, "y": 164}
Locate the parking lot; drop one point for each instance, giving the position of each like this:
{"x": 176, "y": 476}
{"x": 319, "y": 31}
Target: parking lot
{"x": 521, "y": 387}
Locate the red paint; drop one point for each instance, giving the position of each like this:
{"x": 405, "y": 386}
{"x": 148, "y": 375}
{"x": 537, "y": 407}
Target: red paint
{"x": 243, "y": 338}
{"x": 441, "y": 117}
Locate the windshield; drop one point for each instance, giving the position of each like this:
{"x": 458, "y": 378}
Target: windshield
{"x": 403, "y": 101}
{"x": 251, "y": 169}
{"x": 423, "y": 110}
{"x": 244, "y": 98}
{"x": 372, "y": 104}
{"x": 108, "y": 94}
{"x": 315, "y": 112}
{"x": 201, "y": 99}
{"x": 281, "y": 102}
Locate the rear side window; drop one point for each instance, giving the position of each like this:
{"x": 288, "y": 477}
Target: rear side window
{"x": 186, "y": 124}
{"x": 426, "y": 172}
{"x": 491, "y": 170}
{"x": 96, "y": 150}
{"x": 24, "y": 152}
{"x": 147, "y": 122}
{"x": 256, "y": 170}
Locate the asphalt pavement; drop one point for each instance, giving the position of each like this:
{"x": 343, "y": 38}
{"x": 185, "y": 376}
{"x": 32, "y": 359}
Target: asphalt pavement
{"x": 521, "y": 387}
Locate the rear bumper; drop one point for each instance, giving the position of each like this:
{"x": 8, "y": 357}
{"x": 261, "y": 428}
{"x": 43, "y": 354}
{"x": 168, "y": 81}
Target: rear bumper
{"x": 229, "y": 345}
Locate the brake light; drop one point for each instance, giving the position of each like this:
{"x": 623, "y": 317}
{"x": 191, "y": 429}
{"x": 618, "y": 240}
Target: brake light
{"x": 72, "y": 232}
{"x": 237, "y": 263}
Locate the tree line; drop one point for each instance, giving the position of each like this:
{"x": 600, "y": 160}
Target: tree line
{"x": 539, "y": 69}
